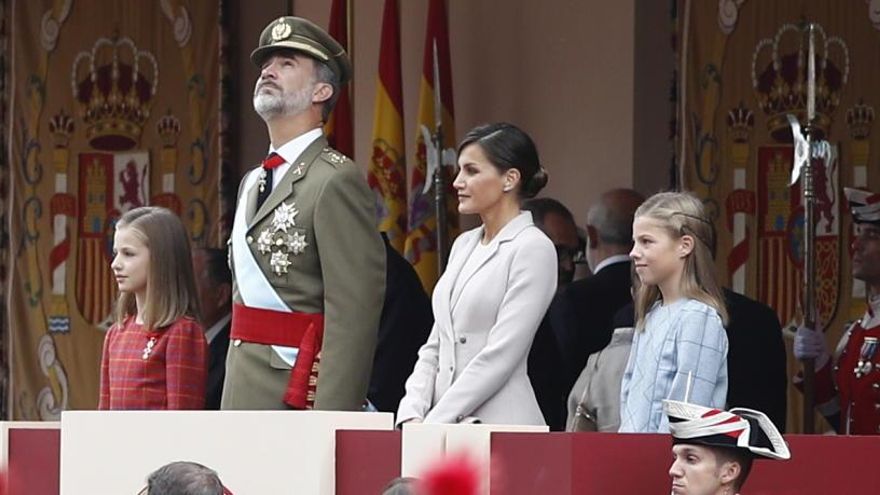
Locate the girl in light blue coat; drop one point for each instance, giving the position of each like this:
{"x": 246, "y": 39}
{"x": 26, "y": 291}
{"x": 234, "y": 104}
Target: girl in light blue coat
{"x": 679, "y": 349}
{"x": 490, "y": 300}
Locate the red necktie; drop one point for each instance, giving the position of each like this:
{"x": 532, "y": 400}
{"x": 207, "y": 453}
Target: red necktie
{"x": 273, "y": 161}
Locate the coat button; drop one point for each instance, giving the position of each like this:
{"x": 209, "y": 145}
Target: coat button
{"x": 451, "y": 368}
{"x": 462, "y": 339}
{"x": 236, "y": 342}
{"x": 250, "y": 239}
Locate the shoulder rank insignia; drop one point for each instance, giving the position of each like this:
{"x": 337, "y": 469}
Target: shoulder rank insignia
{"x": 334, "y": 156}
{"x": 276, "y": 241}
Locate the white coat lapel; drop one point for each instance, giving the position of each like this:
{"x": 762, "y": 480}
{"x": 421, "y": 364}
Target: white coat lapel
{"x": 463, "y": 269}
{"x": 508, "y": 232}
{"x": 447, "y": 282}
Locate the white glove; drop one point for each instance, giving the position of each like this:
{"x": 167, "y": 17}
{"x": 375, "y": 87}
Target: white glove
{"x": 810, "y": 344}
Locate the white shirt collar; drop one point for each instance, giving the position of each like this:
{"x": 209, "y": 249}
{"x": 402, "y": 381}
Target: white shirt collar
{"x": 617, "y": 258}
{"x": 291, "y": 150}
{"x": 872, "y": 315}
{"x": 211, "y": 333}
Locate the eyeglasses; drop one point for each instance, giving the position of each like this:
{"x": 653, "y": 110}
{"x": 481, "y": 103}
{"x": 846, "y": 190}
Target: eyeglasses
{"x": 574, "y": 255}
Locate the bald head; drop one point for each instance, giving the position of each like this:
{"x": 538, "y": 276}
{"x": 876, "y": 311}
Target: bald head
{"x": 612, "y": 216}
{"x": 609, "y": 225}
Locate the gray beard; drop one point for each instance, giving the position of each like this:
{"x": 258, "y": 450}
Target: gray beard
{"x": 269, "y": 105}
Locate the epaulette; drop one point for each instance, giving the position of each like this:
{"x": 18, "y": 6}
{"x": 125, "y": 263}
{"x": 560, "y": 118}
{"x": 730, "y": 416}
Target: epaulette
{"x": 334, "y": 157}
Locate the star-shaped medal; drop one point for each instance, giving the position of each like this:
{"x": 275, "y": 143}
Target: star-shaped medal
{"x": 296, "y": 243}
{"x": 284, "y": 217}
{"x": 279, "y": 262}
{"x": 264, "y": 242}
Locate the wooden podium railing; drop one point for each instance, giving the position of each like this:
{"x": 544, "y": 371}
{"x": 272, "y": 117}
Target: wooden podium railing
{"x": 602, "y": 463}
{"x": 359, "y": 453}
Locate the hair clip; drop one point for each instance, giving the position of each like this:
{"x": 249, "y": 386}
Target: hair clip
{"x": 695, "y": 217}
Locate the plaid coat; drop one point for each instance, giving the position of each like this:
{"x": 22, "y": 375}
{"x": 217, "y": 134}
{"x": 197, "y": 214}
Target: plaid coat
{"x": 162, "y": 369}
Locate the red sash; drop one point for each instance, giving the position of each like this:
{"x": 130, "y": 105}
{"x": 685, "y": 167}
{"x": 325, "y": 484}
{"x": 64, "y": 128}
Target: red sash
{"x": 304, "y": 331}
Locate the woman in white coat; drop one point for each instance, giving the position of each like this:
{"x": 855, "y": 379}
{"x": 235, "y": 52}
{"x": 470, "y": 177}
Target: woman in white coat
{"x": 490, "y": 300}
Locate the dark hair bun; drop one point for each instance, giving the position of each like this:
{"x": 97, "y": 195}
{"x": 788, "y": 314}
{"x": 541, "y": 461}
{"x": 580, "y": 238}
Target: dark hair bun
{"x": 534, "y": 185}
{"x": 507, "y": 146}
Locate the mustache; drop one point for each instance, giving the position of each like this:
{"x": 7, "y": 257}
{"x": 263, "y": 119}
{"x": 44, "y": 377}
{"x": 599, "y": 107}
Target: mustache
{"x": 265, "y": 84}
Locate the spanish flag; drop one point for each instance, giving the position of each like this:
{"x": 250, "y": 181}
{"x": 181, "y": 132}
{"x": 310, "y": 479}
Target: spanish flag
{"x": 338, "y": 128}
{"x": 387, "y": 172}
{"x": 421, "y": 241}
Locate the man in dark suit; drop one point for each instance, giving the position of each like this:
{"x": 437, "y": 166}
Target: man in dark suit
{"x": 403, "y": 328}
{"x": 757, "y": 374}
{"x": 545, "y": 373}
{"x": 582, "y": 314}
{"x": 215, "y": 298}
{"x": 756, "y": 368}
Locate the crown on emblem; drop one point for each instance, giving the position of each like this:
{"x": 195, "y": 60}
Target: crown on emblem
{"x": 859, "y": 119}
{"x": 740, "y": 121}
{"x": 114, "y": 84}
{"x": 280, "y": 30}
{"x": 61, "y": 128}
{"x": 168, "y": 128}
{"x": 780, "y": 82}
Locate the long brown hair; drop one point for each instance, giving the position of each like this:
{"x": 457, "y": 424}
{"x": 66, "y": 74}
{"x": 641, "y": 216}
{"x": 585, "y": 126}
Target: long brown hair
{"x": 681, "y": 213}
{"x": 171, "y": 287}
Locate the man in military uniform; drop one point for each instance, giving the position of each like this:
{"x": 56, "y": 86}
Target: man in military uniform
{"x": 308, "y": 263}
{"x": 713, "y": 450}
{"x": 848, "y": 386}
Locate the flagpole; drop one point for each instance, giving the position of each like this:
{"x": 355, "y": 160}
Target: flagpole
{"x": 439, "y": 183}
{"x": 809, "y": 195}
{"x": 349, "y": 47}
{"x": 349, "y": 40}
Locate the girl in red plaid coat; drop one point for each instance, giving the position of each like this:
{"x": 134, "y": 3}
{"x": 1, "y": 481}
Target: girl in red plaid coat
{"x": 155, "y": 355}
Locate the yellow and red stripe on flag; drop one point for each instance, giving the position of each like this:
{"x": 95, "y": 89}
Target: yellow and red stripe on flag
{"x": 421, "y": 241}
{"x": 387, "y": 172}
{"x": 339, "y": 127}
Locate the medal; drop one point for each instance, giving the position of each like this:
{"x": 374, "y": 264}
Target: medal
{"x": 296, "y": 243}
{"x": 866, "y": 357}
{"x": 262, "y": 180}
{"x": 264, "y": 241}
{"x": 284, "y": 217}
{"x": 149, "y": 348}
{"x": 279, "y": 241}
{"x": 279, "y": 262}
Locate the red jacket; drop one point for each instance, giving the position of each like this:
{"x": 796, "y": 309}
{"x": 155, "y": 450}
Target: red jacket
{"x": 852, "y": 381}
{"x": 162, "y": 369}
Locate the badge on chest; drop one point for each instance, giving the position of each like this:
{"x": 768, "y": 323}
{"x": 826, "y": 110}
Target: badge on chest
{"x": 280, "y": 240}
{"x": 866, "y": 357}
